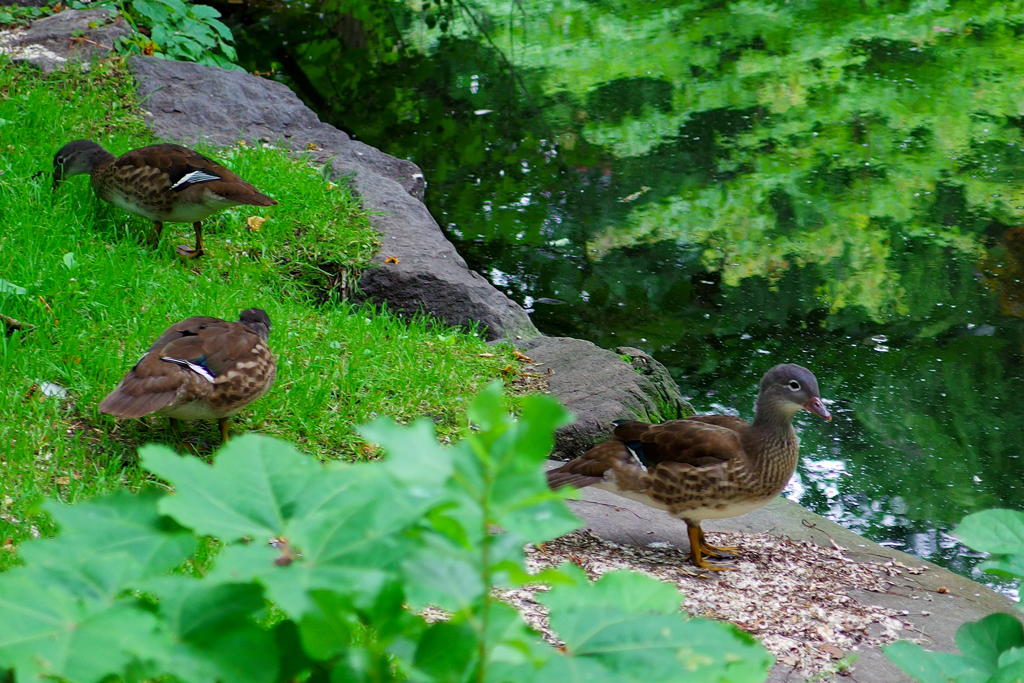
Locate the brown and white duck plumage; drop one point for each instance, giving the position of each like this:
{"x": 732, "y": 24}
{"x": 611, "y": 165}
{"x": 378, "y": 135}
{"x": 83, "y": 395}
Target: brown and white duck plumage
{"x": 706, "y": 466}
{"x": 164, "y": 183}
{"x": 201, "y": 368}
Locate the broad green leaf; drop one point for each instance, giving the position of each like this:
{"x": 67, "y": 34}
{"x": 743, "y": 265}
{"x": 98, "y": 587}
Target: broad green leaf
{"x": 198, "y": 31}
{"x": 249, "y": 491}
{"x": 126, "y": 522}
{"x": 107, "y": 544}
{"x": 7, "y": 287}
{"x": 627, "y": 627}
{"x": 294, "y": 659}
{"x": 487, "y": 413}
{"x": 523, "y": 504}
{"x": 203, "y": 12}
{"x": 505, "y": 473}
{"x": 160, "y": 35}
{"x": 328, "y": 629}
{"x": 934, "y": 667}
{"x": 514, "y": 653}
{"x": 289, "y": 585}
{"x": 215, "y": 637}
{"x": 346, "y": 543}
{"x": 47, "y": 632}
{"x": 446, "y": 652}
{"x": 621, "y": 590}
{"x": 225, "y": 61}
{"x": 985, "y": 640}
{"x": 451, "y": 582}
{"x": 1011, "y": 656}
{"x": 73, "y": 569}
{"x": 1004, "y": 565}
{"x": 176, "y": 7}
{"x": 223, "y": 31}
{"x": 334, "y": 488}
{"x": 413, "y": 453}
{"x": 534, "y": 436}
{"x": 1010, "y": 673}
{"x": 1000, "y": 532}
{"x": 153, "y": 11}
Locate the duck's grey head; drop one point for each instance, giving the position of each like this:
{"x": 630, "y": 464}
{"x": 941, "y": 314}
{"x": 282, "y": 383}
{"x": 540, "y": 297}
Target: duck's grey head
{"x": 79, "y": 156}
{"x": 788, "y": 388}
{"x": 257, "y": 320}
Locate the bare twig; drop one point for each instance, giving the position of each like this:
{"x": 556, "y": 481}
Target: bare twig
{"x": 11, "y": 325}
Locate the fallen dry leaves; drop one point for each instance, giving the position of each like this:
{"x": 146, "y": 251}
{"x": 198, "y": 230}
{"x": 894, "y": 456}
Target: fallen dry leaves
{"x": 791, "y": 595}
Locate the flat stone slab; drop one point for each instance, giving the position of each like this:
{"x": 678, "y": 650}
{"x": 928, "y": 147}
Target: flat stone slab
{"x": 599, "y": 386}
{"x": 948, "y": 598}
{"x": 67, "y": 37}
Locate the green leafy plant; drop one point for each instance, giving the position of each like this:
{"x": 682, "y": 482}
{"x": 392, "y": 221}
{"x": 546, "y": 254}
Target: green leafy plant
{"x": 324, "y": 571}
{"x": 15, "y": 15}
{"x": 992, "y": 649}
{"x": 174, "y": 29}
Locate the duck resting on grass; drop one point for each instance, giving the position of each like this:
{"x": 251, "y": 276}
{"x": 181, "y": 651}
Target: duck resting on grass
{"x": 164, "y": 183}
{"x": 706, "y": 466}
{"x": 201, "y": 368}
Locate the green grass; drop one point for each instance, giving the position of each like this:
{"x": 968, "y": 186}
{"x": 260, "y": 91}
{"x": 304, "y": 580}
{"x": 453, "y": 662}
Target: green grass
{"x": 338, "y": 365}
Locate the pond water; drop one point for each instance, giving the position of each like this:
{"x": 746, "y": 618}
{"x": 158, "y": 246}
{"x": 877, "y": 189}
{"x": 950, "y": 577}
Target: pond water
{"x": 730, "y": 185}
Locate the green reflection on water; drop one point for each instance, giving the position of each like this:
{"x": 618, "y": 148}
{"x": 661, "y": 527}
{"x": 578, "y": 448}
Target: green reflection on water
{"x": 729, "y": 185}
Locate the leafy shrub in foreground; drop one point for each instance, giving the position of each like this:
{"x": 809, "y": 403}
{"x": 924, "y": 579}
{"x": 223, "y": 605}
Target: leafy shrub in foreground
{"x": 992, "y": 649}
{"x": 324, "y": 569}
{"x": 178, "y": 29}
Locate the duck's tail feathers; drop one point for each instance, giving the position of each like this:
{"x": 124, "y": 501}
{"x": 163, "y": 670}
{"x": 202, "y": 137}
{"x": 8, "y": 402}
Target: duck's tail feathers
{"x": 590, "y": 468}
{"x": 121, "y": 404}
{"x": 251, "y": 197}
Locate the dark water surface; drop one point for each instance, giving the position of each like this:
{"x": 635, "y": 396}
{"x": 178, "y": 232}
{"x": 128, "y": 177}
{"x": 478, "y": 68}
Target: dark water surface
{"x": 730, "y": 185}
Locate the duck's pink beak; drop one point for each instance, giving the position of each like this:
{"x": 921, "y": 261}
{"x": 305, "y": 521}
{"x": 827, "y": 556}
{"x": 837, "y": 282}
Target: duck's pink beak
{"x": 818, "y": 408}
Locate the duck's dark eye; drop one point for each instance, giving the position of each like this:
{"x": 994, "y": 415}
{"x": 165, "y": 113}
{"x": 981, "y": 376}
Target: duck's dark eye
{"x": 794, "y": 385}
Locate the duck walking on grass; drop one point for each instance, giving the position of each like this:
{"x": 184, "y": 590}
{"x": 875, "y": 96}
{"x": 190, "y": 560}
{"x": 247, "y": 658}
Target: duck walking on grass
{"x": 707, "y": 466}
{"x": 201, "y": 368}
{"x": 164, "y": 183}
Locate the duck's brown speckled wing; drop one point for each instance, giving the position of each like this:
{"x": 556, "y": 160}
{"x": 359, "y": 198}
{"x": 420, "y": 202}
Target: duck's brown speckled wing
{"x": 180, "y": 166}
{"x": 698, "y": 441}
{"x": 186, "y": 359}
{"x": 153, "y": 383}
{"x": 702, "y": 441}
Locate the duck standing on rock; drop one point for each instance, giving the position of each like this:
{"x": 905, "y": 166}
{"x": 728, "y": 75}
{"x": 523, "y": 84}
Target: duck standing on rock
{"x": 164, "y": 183}
{"x": 706, "y": 466}
{"x": 201, "y": 368}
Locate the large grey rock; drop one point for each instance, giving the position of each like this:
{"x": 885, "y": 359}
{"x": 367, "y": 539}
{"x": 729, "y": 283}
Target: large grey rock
{"x": 180, "y": 106}
{"x": 626, "y": 522}
{"x": 429, "y": 277}
{"x": 429, "y": 274}
{"x": 69, "y": 36}
{"x": 600, "y": 386}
